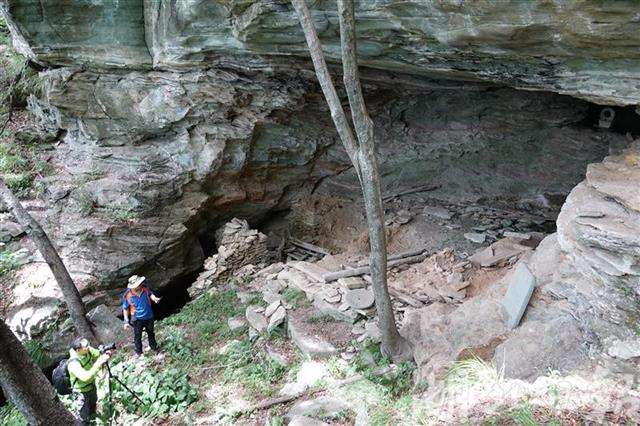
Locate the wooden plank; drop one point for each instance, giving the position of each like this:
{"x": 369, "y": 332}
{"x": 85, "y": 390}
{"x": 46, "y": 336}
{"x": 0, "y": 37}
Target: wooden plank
{"x": 309, "y": 246}
{"x": 397, "y": 256}
{"x": 314, "y": 271}
{"x": 404, "y": 297}
{"x": 332, "y": 276}
{"x": 425, "y": 188}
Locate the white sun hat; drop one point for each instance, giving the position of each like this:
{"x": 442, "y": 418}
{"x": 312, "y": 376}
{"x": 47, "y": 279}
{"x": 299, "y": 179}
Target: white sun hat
{"x": 135, "y": 281}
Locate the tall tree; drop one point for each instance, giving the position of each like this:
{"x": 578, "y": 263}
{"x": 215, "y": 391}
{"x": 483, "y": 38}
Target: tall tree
{"x": 47, "y": 250}
{"x": 363, "y": 156}
{"x": 27, "y": 387}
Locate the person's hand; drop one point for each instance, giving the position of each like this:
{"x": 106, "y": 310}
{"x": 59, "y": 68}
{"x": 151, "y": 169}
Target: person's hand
{"x": 155, "y": 298}
{"x": 102, "y": 359}
{"x": 126, "y": 325}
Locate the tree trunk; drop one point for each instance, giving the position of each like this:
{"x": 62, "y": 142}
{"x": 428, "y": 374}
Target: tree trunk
{"x": 364, "y": 158}
{"x": 326, "y": 83}
{"x": 27, "y": 387}
{"x": 50, "y": 255}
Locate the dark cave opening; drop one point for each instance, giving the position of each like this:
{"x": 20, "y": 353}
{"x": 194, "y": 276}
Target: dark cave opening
{"x": 621, "y": 120}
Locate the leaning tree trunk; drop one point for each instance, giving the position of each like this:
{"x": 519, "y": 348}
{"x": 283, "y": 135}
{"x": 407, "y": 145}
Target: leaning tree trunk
{"x": 27, "y": 387}
{"x": 393, "y": 344}
{"x": 50, "y": 255}
{"x": 364, "y": 160}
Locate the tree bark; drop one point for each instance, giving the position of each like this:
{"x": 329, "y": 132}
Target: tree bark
{"x": 363, "y": 156}
{"x": 326, "y": 83}
{"x": 47, "y": 250}
{"x": 27, "y": 387}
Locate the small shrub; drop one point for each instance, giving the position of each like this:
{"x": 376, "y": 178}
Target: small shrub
{"x": 8, "y": 261}
{"x": 161, "y": 392}
{"x": 38, "y": 353}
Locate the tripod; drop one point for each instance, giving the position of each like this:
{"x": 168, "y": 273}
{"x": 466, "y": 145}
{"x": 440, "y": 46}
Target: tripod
{"x": 109, "y": 377}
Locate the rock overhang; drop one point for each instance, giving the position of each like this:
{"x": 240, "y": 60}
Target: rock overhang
{"x": 585, "y": 49}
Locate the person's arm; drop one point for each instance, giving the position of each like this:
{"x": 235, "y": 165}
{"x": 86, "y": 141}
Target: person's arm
{"x": 153, "y": 296}
{"x": 85, "y": 375}
{"x": 125, "y": 310}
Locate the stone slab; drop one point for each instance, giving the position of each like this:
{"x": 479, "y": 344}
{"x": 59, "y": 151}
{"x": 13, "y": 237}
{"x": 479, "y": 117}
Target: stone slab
{"x": 515, "y": 301}
{"x": 311, "y": 346}
{"x": 334, "y": 311}
{"x": 255, "y": 318}
{"x": 352, "y": 283}
{"x": 325, "y": 407}
{"x": 475, "y": 237}
{"x": 359, "y": 298}
{"x": 277, "y": 318}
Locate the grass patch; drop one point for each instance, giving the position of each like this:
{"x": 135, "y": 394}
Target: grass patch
{"x": 294, "y": 297}
{"x": 8, "y": 261}
{"x": 320, "y": 319}
{"x": 242, "y": 364}
{"x": 119, "y": 214}
{"x": 20, "y": 164}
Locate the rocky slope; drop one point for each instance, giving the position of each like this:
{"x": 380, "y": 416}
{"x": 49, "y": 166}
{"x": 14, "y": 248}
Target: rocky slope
{"x": 176, "y": 116}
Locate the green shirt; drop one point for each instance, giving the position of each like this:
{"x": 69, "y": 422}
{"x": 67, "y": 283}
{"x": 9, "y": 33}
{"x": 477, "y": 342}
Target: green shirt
{"x": 83, "y": 370}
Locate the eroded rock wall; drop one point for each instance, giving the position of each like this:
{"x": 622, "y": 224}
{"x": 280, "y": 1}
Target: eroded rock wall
{"x": 585, "y": 48}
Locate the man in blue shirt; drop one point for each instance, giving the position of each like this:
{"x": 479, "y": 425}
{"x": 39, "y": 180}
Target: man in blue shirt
{"x": 136, "y": 307}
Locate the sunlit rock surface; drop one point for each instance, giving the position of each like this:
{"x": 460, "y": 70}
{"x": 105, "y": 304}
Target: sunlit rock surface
{"x": 585, "y": 48}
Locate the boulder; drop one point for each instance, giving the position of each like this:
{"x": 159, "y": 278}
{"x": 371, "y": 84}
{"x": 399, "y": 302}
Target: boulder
{"x": 237, "y": 323}
{"x": 335, "y": 311}
{"x": 255, "y": 318}
{"x": 305, "y": 421}
{"x": 324, "y": 407}
{"x": 9, "y": 230}
{"x": 360, "y": 298}
{"x": 108, "y": 327}
{"x": 277, "y": 318}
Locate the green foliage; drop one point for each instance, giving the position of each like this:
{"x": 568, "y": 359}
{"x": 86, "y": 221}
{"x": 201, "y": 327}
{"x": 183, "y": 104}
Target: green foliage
{"x": 162, "y": 392}
{"x": 214, "y": 309}
{"x": 244, "y": 365}
{"x": 17, "y": 81}
{"x": 19, "y": 164}
{"x": 175, "y": 344}
{"x": 38, "y": 353}
{"x": 120, "y": 214}
{"x": 523, "y": 416}
{"x": 9, "y": 415}
{"x": 320, "y": 319}
{"x": 85, "y": 202}
{"x": 294, "y": 297}
{"x": 8, "y": 261}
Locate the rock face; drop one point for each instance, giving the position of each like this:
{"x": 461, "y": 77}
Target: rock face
{"x": 585, "y": 303}
{"x": 178, "y": 116}
{"x": 584, "y": 48}
{"x": 599, "y": 234}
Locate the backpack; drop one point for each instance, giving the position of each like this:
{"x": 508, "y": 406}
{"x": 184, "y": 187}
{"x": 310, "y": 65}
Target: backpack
{"x": 60, "y": 378}
{"x": 132, "y": 308}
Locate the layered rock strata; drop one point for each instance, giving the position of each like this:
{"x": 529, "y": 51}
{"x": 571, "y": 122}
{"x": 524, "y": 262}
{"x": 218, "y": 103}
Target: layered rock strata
{"x": 585, "y": 48}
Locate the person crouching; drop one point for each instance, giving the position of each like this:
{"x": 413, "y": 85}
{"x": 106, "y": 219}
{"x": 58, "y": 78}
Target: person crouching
{"x": 136, "y": 308}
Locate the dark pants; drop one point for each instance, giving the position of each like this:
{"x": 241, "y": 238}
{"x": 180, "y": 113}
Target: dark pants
{"x": 85, "y": 404}
{"x": 138, "y": 326}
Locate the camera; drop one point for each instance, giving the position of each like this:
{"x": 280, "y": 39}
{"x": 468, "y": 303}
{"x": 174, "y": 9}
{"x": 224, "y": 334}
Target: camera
{"x": 106, "y": 348}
